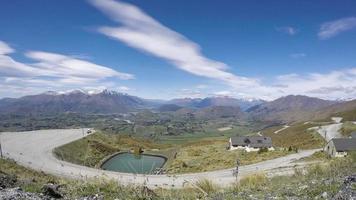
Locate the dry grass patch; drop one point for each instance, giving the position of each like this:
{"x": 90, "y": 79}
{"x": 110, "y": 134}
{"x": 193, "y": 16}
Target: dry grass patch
{"x": 296, "y": 135}
{"x": 89, "y": 151}
{"x": 213, "y": 156}
{"x": 255, "y": 181}
{"x": 347, "y": 128}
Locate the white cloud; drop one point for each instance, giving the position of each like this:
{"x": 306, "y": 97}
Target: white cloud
{"x": 124, "y": 88}
{"x": 142, "y": 32}
{"x": 287, "y": 30}
{"x": 202, "y": 86}
{"x": 63, "y": 66}
{"x": 189, "y": 93}
{"x": 332, "y": 85}
{"x": 51, "y": 71}
{"x": 5, "y": 49}
{"x": 333, "y": 28}
{"x": 224, "y": 93}
{"x": 298, "y": 55}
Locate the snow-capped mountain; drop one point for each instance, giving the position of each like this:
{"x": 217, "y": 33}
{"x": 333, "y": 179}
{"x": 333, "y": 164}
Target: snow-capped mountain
{"x": 81, "y": 101}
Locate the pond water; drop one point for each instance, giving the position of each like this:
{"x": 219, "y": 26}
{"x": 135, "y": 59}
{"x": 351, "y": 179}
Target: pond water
{"x": 131, "y": 163}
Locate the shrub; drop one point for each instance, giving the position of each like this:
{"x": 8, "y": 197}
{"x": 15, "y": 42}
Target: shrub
{"x": 137, "y": 150}
{"x": 316, "y": 170}
{"x": 290, "y": 148}
{"x": 185, "y": 165}
{"x": 255, "y": 181}
{"x": 206, "y": 186}
{"x": 263, "y": 150}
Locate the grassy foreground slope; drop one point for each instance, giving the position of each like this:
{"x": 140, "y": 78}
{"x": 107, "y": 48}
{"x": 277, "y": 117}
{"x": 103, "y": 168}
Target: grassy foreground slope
{"x": 311, "y": 183}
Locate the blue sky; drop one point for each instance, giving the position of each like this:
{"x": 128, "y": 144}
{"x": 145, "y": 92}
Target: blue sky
{"x": 169, "y": 49}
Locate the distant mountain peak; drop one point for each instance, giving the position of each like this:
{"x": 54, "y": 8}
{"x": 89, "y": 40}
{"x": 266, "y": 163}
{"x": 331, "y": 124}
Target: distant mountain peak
{"x": 112, "y": 93}
{"x": 81, "y": 101}
{"x": 86, "y": 92}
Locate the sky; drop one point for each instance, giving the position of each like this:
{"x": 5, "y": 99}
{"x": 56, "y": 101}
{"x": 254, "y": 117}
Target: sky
{"x": 162, "y": 49}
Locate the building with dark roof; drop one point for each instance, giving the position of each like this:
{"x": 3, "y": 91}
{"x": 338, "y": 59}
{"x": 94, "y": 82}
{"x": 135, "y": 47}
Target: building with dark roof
{"x": 339, "y": 147}
{"x": 250, "y": 143}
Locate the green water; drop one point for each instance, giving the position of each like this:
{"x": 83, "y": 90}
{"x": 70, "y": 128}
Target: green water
{"x": 131, "y": 163}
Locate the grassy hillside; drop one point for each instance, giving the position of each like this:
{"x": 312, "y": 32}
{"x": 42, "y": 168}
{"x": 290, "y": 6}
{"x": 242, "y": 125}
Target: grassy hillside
{"x": 349, "y": 115}
{"x": 297, "y": 135}
{"x": 346, "y": 110}
{"x": 347, "y": 128}
{"x": 91, "y": 150}
{"x": 188, "y": 155}
{"x": 310, "y": 183}
{"x": 212, "y": 155}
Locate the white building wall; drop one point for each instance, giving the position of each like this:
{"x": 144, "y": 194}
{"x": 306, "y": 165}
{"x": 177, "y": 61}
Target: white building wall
{"x": 331, "y": 151}
{"x": 246, "y": 148}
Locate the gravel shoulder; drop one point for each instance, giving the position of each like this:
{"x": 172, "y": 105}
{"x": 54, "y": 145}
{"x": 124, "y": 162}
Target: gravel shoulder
{"x": 33, "y": 149}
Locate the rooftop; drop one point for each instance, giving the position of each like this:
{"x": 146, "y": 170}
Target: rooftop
{"x": 252, "y": 141}
{"x": 344, "y": 144}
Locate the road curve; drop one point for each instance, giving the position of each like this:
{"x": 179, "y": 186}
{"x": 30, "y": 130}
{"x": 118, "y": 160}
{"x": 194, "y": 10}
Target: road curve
{"x": 33, "y": 149}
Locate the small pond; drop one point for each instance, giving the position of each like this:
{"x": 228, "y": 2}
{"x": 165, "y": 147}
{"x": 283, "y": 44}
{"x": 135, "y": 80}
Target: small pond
{"x": 132, "y": 163}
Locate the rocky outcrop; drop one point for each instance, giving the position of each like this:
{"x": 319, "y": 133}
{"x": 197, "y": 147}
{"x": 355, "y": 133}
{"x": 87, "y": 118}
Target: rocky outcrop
{"x": 7, "y": 181}
{"x": 17, "y": 193}
{"x": 348, "y": 189}
{"x": 52, "y": 190}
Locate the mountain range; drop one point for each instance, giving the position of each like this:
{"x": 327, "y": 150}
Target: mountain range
{"x": 75, "y": 101}
{"x": 244, "y": 104}
{"x": 283, "y": 110}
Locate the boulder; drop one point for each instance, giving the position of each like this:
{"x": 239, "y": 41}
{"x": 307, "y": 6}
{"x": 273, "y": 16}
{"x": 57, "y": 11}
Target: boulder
{"x": 7, "y": 181}
{"x": 17, "y": 193}
{"x": 52, "y": 190}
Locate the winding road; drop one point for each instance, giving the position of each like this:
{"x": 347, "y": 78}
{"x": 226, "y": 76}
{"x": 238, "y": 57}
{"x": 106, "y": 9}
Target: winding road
{"x": 330, "y": 131}
{"x": 33, "y": 149}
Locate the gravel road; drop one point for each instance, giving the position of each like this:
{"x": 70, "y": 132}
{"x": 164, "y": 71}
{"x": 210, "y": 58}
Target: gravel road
{"x": 33, "y": 149}
{"x": 331, "y": 131}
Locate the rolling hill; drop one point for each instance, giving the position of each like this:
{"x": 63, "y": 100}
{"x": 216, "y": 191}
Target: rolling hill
{"x": 292, "y": 108}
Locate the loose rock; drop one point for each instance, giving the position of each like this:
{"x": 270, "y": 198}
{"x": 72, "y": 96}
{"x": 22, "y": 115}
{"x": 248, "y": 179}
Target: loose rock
{"x": 17, "y": 193}
{"x": 347, "y": 191}
{"x": 7, "y": 181}
{"x": 52, "y": 190}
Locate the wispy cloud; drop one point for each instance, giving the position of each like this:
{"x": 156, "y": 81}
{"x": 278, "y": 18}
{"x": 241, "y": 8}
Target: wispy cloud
{"x": 5, "y": 48}
{"x": 297, "y": 55}
{"x": 52, "y": 71}
{"x": 189, "y": 93}
{"x": 142, "y": 32}
{"x": 333, "y": 28}
{"x": 58, "y": 65}
{"x": 332, "y": 85}
{"x": 287, "y": 30}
